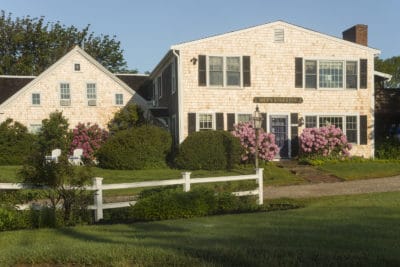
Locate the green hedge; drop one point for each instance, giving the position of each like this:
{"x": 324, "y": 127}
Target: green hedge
{"x": 144, "y": 147}
{"x": 388, "y": 149}
{"x": 209, "y": 150}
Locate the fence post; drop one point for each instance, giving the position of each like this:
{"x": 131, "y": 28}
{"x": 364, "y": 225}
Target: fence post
{"x": 186, "y": 178}
{"x": 259, "y": 173}
{"x": 98, "y": 198}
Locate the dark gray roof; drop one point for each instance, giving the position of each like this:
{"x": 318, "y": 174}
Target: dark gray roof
{"x": 139, "y": 83}
{"x": 9, "y": 85}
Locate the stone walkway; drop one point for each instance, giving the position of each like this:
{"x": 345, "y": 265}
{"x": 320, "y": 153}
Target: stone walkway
{"x": 337, "y": 188}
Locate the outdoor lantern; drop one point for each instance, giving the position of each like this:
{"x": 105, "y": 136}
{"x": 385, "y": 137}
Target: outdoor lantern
{"x": 257, "y": 119}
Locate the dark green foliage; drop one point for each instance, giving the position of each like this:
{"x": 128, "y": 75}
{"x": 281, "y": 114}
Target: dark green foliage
{"x": 28, "y": 46}
{"x": 392, "y": 67}
{"x": 128, "y": 117}
{"x": 388, "y": 149}
{"x": 144, "y": 147}
{"x": 209, "y": 150}
{"x": 15, "y": 142}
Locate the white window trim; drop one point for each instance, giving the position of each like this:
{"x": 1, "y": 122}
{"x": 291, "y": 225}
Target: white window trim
{"x": 80, "y": 67}
{"x": 95, "y": 86}
{"x": 40, "y": 99}
{"x": 344, "y": 88}
{"x": 242, "y": 113}
{"x": 32, "y": 126}
{"x": 59, "y": 90}
{"x": 198, "y": 119}
{"x": 224, "y": 62}
{"x": 343, "y": 115}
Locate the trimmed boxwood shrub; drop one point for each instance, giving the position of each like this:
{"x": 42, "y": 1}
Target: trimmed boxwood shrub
{"x": 144, "y": 147}
{"x": 209, "y": 150}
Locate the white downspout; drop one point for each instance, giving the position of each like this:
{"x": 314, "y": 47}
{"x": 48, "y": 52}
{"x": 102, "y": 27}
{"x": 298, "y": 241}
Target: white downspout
{"x": 179, "y": 90}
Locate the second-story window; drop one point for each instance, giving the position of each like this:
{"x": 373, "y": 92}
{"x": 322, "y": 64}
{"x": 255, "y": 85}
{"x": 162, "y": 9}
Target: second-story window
{"x": 233, "y": 71}
{"x": 119, "y": 99}
{"x": 36, "y": 99}
{"x": 215, "y": 69}
{"x": 65, "y": 94}
{"x": 91, "y": 94}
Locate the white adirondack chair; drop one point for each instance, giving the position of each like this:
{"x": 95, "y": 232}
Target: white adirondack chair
{"x": 55, "y": 153}
{"x": 76, "y": 158}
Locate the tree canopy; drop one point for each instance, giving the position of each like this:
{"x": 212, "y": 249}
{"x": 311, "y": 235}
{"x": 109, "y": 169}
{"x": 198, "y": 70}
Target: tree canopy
{"x": 28, "y": 46}
{"x": 392, "y": 67}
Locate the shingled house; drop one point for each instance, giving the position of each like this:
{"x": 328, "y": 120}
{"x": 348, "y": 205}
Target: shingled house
{"x": 298, "y": 77}
{"x": 77, "y": 85}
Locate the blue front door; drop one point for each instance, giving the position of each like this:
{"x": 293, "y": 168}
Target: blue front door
{"x": 279, "y": 127}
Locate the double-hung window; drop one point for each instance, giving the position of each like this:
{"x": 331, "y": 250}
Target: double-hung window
{"x": 348, "y": 124}
{"x": 65, "y": 94}
{"x": 91, "y": 94}
{"x": 224, "y": 71}
{"x": 205, "y": 122}
{"x": 119, "y": 99}
{"x": 244, "y": 118}
{"x": 216, "y": 71}
{"x": 233, "y": 71}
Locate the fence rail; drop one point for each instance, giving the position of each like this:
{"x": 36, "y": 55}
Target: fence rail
{"x": 186, "y": 181}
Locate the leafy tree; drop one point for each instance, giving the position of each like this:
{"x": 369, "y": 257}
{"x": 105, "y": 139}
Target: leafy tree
{"x": 28, "y": 45}
{"x": 65, "y": 183}
{"x": 128, "y": 117}
{"x": 15, "y": 142}
{"x": 392, "y": 67}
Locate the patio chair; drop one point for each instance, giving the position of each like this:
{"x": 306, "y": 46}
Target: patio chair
{"x": 55, "y": 153}
{"x": 76, "y": 158}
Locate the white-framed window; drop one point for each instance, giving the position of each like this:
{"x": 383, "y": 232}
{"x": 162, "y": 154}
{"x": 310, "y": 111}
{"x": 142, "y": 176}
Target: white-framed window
{"x": 65, "y": 93}
{"x": 206, "y": 121}
{"x": 331, "y": 74}
{"x": 77, "y": 67}
{"x": 35, "y": 128}
{"x": 91, "y": 91}
{"x": 119, "y": 99}
{"x": 173, "y": 78}
{"x": 244, "y": 118}
{"x": 224, "y": 71}
{"x": 347, "y": 123}
{"x": 36, "y": 99}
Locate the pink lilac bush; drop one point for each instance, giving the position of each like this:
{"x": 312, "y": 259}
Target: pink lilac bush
{"x": 326, "y": 141}
{"x": 89, "y": 138}
{"x": 267, "y": 149}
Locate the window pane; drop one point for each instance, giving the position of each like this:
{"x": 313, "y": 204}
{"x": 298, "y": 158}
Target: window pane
{"x": 119, "y": 99}
{"x": 351, "y": 129}
{"x": 311, "y": 73}
{"x": 331, "y": 74}
{"x": 233, "y": 71}
{"x": 35, "y": 99}
{"x": 215, "y": 69}
{"x": 64, "y": 91}
{"x": 351, "y": 74}
{"x": 244, "y": 117}
{"x": 91, "y": 91}
{"x": 327, "y": 121}
{"x": 311, "y": 121}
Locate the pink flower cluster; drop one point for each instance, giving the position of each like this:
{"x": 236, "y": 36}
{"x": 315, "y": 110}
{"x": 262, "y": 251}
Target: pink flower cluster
{"x": 267, "y": 149}
{"x": 324, "y": 141}
{"x": 89, "y": 138}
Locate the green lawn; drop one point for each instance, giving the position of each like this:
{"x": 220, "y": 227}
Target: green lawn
{"x": 357, "y": 230}
{"x": 350, "y": 170}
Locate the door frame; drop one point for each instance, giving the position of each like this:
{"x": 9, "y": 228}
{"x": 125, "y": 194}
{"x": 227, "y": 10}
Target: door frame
{"x": 289, "y": 131}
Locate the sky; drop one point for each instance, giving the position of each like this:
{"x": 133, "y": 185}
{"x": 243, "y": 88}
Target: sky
{"x": 148, "y": 28}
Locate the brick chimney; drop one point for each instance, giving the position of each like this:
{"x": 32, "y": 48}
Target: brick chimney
{"x": 357, "y": 34}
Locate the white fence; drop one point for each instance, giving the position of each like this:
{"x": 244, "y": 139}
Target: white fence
{"x": 186, "y": 181}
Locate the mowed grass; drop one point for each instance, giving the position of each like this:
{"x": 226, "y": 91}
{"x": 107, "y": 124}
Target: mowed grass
{"x": 350, "y": 170}
{"x": 359, "y": 230}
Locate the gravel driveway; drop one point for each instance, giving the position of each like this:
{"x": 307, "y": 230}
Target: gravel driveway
{"x": 330, "y": 189}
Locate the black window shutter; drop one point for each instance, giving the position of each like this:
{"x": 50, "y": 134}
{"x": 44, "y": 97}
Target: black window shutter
{"x": 363, "y": 130}
{"x": 298, "y": 72}
{"x": 363, "y": 73}
{"x": 246, "y": 71}
{"x": 294, "y": 140}
{"x": 294, "y": 118}
{"x": 230, "y": 121}
{"x": 264, "y": 121}
{"x": 219, "y": 118}
{"x": 202, "y": 71}
{"x": 191, "y": 123}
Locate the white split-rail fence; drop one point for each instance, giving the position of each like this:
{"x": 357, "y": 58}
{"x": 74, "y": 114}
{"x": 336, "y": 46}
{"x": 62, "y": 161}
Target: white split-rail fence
{"x": 98, "y": 186}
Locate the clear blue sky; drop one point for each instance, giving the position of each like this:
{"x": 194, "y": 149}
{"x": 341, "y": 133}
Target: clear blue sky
{"x": 147, "y": 28}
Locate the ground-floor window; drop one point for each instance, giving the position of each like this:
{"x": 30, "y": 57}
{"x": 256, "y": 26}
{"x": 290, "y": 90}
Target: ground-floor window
{"x": 348, "y": 124}
{"x": 205, "y": 122}
{"x": 244, "y": 118}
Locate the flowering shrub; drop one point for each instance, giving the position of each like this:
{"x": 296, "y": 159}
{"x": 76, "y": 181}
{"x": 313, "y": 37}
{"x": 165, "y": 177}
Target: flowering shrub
{"x": 326, "y": 141}
{"x": 89, "y": 138}
{"x": 267, "y": 149}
